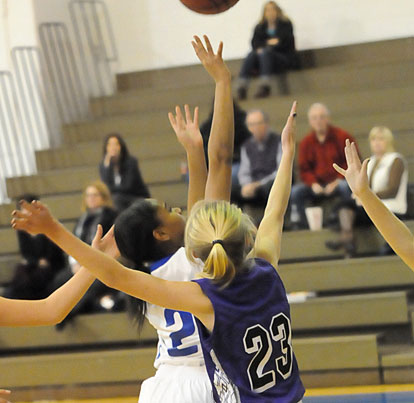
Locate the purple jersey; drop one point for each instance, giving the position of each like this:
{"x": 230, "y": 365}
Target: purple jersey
{"x": 249, "y": 356}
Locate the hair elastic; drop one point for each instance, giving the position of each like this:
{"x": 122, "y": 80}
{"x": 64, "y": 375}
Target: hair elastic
{"x": 218, "y": 241}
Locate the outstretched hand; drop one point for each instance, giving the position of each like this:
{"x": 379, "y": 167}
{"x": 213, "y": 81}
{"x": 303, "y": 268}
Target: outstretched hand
{"x": 3, "y": 395}
{"x": 187, "y": 130}
{"x": 288, "y": 137}
{"x": 34, "y": 218}
{"x": 212, "y": 62}
{"x": 356, "y": 174}
{"x": 106, "y": 244}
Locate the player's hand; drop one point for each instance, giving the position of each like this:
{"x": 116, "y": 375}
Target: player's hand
{"x": 186, "y": 129}
{"x": 248, "y": 191}
{"x": 273, "y": 41}
{"x": 212, "y": 62}
{"x": 3, "y": 395}
{"x": 106, "y": 244}
{"x": 288, "y": 137}
{"x": 34, "y": 218}
{"x": 356, "y": 174}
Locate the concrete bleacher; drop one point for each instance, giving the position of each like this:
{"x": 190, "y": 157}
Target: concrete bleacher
{"x": 338, "y": 335}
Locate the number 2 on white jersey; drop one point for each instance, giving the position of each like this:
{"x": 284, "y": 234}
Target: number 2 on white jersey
{"x": 187, "y": 329}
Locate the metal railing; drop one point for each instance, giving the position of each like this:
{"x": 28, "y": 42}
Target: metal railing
{"x": 16, "y": 148}
{"x": 96, "y": 42}
{"x": 65, "y": 80}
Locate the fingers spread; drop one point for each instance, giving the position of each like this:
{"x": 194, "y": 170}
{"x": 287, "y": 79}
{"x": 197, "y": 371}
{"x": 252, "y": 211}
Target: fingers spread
{"x": 173, "y": 122}
{"x": 339, "y": 169}
{"x": 220, "y": 49}
{"x": 348, "y": 154}
{"x": 196, "y": 116}
{"x": 188, "y": 117}
{"x": 208, "y": 44}
{"x": 355, "y": 156}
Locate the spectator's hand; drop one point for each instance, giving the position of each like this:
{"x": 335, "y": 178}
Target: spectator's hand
{"x": 273, "y": 41}
{"x": 3, "y": 395}
{"x": 288, "y": 136}
{"x": 212, "y": 62}
{"x": 356, "y": 174}
{"x": 75, "y": 268}
{"x": 106, "y": 244}
{"x": 187, "y": 130}
{"x": 317, "y": 188}
{"x": 248, "y": 191}
{"x": 34, "y": 218}
{"x": 357, "y": 200}
{"x": 330, "y": 188}
{"x": 107, "y": 159}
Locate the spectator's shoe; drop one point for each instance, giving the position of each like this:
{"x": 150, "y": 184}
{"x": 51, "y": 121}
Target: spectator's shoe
{"x": 241, "y": 93}
{"x": 263, "y": 91}
{"x": 350, "y": 249}
{"x": 334, "y": 245}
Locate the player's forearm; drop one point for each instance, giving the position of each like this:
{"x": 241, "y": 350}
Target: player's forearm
{"x": 221, "y": 142}
{"x": 59, "y": 304}
{"x": 280, "y": 192}
{"x": 394, "y": 231}
{"x": 197, "y": 176}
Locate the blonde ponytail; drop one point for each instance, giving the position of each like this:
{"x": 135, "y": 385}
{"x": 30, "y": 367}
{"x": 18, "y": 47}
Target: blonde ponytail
{"x": 220, "y": 235}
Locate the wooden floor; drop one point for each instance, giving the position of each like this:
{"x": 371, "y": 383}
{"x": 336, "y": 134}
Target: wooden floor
{"x": 360, "y": 394}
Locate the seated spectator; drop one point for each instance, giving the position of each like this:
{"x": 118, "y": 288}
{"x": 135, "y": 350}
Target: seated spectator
{"x": 322, "y": 147}
{"x": 259, "y": 160}
{"x": 120, "y": 172}
{"x": 97, "y": 209}
{"x": 41, "y": 261}
{"x": 388, "y": 178}
{"x": 241, "y": 134}
{"x": 273, "y": 50}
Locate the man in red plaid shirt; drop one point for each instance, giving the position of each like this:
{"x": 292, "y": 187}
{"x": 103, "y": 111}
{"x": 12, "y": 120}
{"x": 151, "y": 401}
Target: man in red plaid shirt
{"x": 318, "y": 151}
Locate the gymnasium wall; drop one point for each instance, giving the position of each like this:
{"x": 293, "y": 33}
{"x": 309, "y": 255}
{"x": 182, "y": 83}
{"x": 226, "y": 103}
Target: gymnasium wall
{"x": 156, "y": 33}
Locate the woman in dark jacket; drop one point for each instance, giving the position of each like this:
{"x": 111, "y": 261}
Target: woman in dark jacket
{"x": 120, "y": 172}
{"x": 273, "y": 50}
{"x": 97, "y": 209}
{"x": 41, "y": 261}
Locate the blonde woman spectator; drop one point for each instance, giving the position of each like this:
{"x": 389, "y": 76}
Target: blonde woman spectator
{"x": 388, "y": 179}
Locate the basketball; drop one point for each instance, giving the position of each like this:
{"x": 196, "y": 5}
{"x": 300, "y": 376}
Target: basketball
{"x": 209, "y": 6}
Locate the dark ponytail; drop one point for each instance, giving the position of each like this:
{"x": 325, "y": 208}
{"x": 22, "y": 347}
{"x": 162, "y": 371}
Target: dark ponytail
{"x": 135, "y": 240}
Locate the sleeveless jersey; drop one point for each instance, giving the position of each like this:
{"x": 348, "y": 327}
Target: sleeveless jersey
{"x": 178, "y": 339}
{"x": 249, "y": 356}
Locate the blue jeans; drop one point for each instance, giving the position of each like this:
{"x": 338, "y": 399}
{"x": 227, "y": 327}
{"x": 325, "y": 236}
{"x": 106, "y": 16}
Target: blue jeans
{"x": 302, "y": 194}
{"x": 268, "y": 62}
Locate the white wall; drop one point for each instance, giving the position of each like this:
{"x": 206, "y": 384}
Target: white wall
{"x": 17, "y": 27}
{"x": 156, "y": 33}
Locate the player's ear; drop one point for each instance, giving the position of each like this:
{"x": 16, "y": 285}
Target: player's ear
{"x": 160, "y": 235}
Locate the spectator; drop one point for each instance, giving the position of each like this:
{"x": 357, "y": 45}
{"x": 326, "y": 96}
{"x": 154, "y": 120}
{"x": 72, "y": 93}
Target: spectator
{"x": 241, "y": 134}
{"x": 273, "y": 50}
{"x": 97, "y": 209}
{"x": 41, "y": 261}
{"x": 259, "y": 160}
{"x": 388, "y": 179}
{"x": 120, "y": 172}
{"x": 322, "y": 147}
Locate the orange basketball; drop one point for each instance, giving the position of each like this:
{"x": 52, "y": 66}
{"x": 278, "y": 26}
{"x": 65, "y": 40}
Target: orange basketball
{"x": 209, "y": 6}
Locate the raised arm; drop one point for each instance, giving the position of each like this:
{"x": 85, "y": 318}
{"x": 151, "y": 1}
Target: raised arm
{"x": 394, "y": 231}
{"x": 188, "y": 134}
{"x": 56, "y": 307}
{"x": 185, "y": 296}
{"x": 221, "y": 142}
{"x": 269, "y": 234}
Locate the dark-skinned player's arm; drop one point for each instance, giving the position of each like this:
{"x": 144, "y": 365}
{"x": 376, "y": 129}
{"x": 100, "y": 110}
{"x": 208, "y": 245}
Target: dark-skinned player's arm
{"x": 269, "y": 234}
{"x": 56, "y": 307}
{"x": 188, "y": 134}
{"x": 394, "y": 231}
{"x": 221, "y": 142}
{"x": 177, "y": 295}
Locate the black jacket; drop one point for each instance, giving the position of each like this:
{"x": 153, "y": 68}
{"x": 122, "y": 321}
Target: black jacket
{"x": 86, "y": 225}
{"x": 131, "y": 179}
{"x": 284, "y": 32}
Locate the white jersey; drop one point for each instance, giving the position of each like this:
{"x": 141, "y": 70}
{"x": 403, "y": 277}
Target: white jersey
{"x": 178, "y": 340}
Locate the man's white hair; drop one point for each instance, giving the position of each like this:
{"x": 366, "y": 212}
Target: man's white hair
{"x": 319, "y": 105}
